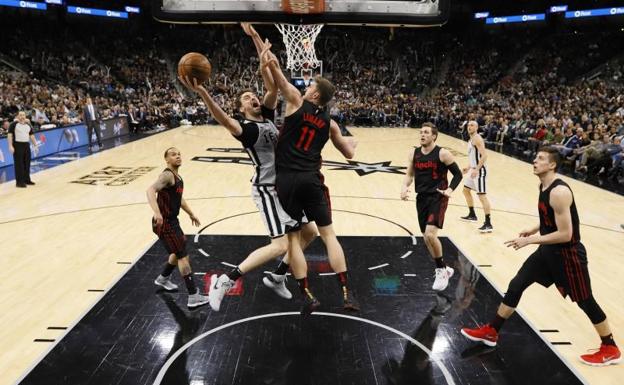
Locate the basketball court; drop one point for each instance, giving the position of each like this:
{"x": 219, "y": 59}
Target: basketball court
{"x": 80, "y": 307}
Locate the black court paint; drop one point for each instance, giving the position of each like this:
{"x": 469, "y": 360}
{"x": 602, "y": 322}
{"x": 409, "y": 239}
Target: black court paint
{"x": 132, "y": 331}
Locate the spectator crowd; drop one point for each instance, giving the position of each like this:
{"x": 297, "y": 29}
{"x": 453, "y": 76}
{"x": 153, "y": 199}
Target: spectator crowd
{"x": 524, "y": 90}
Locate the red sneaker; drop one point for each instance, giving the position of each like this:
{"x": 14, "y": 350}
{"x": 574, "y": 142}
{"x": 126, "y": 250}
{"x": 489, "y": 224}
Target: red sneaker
{"x": 606, "y": 355}
{"x": 486, "y": 334}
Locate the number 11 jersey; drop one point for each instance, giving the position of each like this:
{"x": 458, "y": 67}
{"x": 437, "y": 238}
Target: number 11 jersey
{"x": 303, "y": 137}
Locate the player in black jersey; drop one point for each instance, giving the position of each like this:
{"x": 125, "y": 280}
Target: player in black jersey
{"x": 255, "y": 130}
{"x": 165, "y": 199}
{"x": 428, "y": 168}
{"x": 560, "y": 259}
{"x": 300, "y": 184}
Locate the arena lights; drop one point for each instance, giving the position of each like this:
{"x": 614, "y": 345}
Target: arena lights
{"x": 516, "y": 19}
{"x": 97, "y": 12}
{"x": 594, "y": 12}
{"x": 23, "y": 4}
{"x": 481, "y": 15}
{"x": 558, "y": 8}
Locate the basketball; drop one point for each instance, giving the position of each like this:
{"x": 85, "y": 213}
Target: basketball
{"x": 195, "y": 65}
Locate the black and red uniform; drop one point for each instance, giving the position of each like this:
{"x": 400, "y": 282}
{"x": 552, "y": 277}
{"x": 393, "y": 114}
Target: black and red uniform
{"x": 429, "y": 177}
{"x": 564, "y": 264}
{"x": 169, "y": 202}
{"x": 299, "y": 183}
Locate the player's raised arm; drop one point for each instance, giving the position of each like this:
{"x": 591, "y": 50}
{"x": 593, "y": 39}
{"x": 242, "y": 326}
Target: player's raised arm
{"x": 346, "y": 146}
{"x": 291, "y": 93}
{"x": 409, "y": 175}
{"x": 220, "y": 116}
{"x": 270, "y": 97}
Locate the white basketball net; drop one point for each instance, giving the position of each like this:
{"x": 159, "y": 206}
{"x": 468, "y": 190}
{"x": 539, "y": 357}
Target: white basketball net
{"x": 299, "y": 41}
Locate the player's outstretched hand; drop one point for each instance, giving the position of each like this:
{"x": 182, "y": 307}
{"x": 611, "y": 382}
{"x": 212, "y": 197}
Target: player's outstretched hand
{"x": 404, "y": 194}
{"x": 266, "y": 56}
{"x": 517, "y": 243}
{"x": 192, "y": 84}
{"x": 447, "y": 192}
{"x": 249, "y": 29}
{"x": 159, "y": 219}
{"x": 195, "y": 221}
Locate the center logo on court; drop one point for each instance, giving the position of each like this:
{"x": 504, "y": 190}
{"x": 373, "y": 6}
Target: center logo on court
{"x": 361, "y": 168}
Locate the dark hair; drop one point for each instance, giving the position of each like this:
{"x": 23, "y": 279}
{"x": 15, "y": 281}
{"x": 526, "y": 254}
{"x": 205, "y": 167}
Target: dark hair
{"x": 167, "y": 151}
{"x": 553, "y": 155}
{"x": 325, "y": 89}
{"x": 434, "y": 129}
{"x": 237, "y": 102}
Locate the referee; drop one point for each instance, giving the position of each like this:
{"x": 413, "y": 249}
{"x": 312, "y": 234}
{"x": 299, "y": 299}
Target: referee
{"x": 19, "y": 133}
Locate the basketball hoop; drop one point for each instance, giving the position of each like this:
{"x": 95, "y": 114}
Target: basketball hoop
{"x": 299, "y": 41}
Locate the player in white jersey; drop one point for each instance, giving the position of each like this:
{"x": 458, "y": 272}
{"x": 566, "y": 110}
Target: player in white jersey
{"x": 258, "y": 135}
{"x": 476, "y": 179}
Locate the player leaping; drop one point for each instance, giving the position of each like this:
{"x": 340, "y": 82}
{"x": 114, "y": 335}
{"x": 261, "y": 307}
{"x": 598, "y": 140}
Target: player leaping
{"x": 258, "y": 135}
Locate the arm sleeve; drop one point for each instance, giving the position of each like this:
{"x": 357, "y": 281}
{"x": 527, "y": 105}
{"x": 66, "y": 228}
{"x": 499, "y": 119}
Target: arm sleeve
{"x": 249, "y": 136}
{"x": 268, "y": 113}
{"x": 457, "y": 175}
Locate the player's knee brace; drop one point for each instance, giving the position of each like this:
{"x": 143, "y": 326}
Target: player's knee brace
{"x": 516, "y": 287}
{"x": 592, "y": 309}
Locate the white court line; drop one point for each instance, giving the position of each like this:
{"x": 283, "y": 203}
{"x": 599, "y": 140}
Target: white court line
{"x": 174, "y": 356}
{"x": 199, "y": 273}
{"x": 379, "y": 266}
{"x": 414, "y": 240}
{"x": 323, "y": 274}
{"x": 521, "y": 314}
{"x": 203, "y": 252}
{"x": 409, "y": 275}
{"x": 196, "y": 240}
{"x": 228, "y": 264}
{"x": 79, "y": 318}
{"x": 406, "y": 255}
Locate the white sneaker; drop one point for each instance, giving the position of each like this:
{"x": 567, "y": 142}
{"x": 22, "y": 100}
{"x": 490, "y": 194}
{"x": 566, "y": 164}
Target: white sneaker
{"x": 218, "y": 288}
{"x": 442, "y": 276}
{"x": 165, "y": 282}
{"x": 278, "y": 284}
{"x": 196, "y": 300}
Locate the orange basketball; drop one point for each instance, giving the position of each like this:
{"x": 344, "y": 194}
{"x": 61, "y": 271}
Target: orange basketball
{"x": 195, "y": 65}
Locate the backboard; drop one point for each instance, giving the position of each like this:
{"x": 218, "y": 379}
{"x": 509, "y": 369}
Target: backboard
{"x": 397, "y": 13}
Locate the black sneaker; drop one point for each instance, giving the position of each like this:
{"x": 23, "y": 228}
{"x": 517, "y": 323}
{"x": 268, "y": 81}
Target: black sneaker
{"x": 486, "y": 228}
{"x": 310, "y": 304}
{"x": 21, "y": 185}
{"x": 350, "y": 303}
{"x": 30, "y": 182}
{"x": 469, "y": 218}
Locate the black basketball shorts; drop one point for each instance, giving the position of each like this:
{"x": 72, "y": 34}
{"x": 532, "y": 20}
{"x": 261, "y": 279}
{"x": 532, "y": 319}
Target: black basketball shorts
{"x": 566, "y": 267}
{"x": 431, "y": 209}
{"x": 304, "y": 194}
{"x": 172, "y": 237}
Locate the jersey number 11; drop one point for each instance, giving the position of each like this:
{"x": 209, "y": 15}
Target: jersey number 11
{"x": 305, "y": 132}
